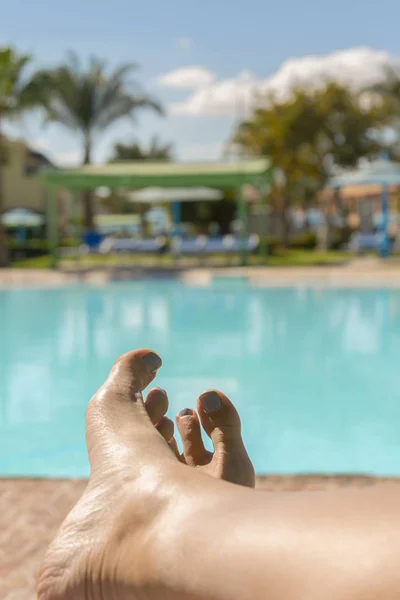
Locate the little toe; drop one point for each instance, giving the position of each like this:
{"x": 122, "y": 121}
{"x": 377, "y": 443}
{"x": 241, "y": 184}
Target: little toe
{"x": 221, "y": 422}
{"x": 156, "y": 404}
{"x": 194, "y": 451}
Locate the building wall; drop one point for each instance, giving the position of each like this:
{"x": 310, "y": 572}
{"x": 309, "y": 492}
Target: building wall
{"x": 23, "y": 187}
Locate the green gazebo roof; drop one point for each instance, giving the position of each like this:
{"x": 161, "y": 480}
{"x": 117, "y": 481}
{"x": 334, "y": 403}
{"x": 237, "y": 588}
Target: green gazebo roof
{"x": 140, "y": 174}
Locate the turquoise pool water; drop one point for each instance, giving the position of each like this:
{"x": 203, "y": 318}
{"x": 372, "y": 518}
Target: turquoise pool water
{"x": 315, "y": 373}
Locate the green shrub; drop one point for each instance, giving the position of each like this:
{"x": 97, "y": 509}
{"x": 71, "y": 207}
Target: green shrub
{"x": 299, "y": 241}
{"x": 28, "y": 245}
{"x": 27, "y": 249}
{"x": 70, "y": 242}
{"x": 341, "y": 237}
{"x": 303, "y": 241}
{"x": 272, "y": 244}
{"x": 309, "y": 241}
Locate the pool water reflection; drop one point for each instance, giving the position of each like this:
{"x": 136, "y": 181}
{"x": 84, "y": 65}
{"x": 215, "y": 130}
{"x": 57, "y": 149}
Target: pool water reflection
{"x": 314, "y": 373}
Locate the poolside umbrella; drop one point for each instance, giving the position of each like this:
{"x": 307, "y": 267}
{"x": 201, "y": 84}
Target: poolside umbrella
{"x": 20, "y": 217}
{"x": 380, "y": 172}
{"x": 175, "y": 196}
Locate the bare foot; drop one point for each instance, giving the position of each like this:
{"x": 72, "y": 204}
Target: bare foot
{"x": 109, "y": 543}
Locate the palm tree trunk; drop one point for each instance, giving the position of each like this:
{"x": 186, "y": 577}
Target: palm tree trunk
{"x": 323, "y": 233}
{"x": 326, "y": 230}
{"x": 87, "y": 196}
{"x": 283, "y": 220}
{"x": 3, "y": 237}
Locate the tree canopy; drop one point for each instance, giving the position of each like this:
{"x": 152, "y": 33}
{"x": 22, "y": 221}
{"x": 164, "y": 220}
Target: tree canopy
{"x": 310, "y": 133}
{"x": 156, "y": 150}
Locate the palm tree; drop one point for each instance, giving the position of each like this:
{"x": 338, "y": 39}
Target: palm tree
{"x": 156, "y": 151}
{"x": 89, "y": 100}
{"x": 18, "y": 93}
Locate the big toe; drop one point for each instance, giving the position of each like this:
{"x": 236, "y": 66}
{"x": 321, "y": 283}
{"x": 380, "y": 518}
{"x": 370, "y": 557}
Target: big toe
{"x": 116, "y": 416}
{"x": 134, "y": 370}
{"x": 221, "y": 422}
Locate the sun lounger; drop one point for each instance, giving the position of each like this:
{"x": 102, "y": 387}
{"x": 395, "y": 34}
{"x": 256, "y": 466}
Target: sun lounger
{"x": 132, "y": 245}
{"x": 188, "y": 245}
{"x": 203, "y": 245}
{"x": 232, "y": 244}
{"x": 361, "y": 242}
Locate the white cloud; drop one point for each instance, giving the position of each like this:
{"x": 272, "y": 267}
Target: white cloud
{"x": 185, "y": 43}
{"x": 187, "y": 78}
{"x": 356, "y": 67}
{"x": 227, "y": 97}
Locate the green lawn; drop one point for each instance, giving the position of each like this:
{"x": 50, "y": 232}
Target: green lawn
{"x": 285, "y": 258}
{"x": 40, "y": 262}
{"x": 307, "y": 258}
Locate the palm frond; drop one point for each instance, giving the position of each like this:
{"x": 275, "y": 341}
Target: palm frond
{"x": 91, "y": 99}
{"x": 17, "y": 92}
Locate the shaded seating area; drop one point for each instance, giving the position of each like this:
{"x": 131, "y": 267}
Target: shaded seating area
{"x": 385, "y": 174}
{"x": 22, "y": 223}
{"x": 25, "y": 232}
{"x": 139, "y": 175}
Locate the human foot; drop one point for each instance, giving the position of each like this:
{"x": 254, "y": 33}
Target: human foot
{"x": 133, "y": 478}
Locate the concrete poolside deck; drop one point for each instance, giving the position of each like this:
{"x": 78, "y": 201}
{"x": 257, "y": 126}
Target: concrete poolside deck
{"x": 31, "y": 510}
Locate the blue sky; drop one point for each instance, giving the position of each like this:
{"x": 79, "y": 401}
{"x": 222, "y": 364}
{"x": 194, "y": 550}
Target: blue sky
{"x": 213, "y": 41}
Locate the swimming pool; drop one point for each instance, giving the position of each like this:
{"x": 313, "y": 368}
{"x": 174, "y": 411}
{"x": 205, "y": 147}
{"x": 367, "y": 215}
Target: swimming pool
{"x": 314, "y": 372}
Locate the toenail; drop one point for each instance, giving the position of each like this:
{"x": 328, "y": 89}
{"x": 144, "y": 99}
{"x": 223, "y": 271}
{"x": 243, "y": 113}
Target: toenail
{"x": 152, "y": 361}
{"x": 186, "y": 412}
{"x": 210, "y": 401}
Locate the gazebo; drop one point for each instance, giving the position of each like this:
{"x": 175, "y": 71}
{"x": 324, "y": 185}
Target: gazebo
{"x": 139, "y": 175}
{"x": 383, "y": 173}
